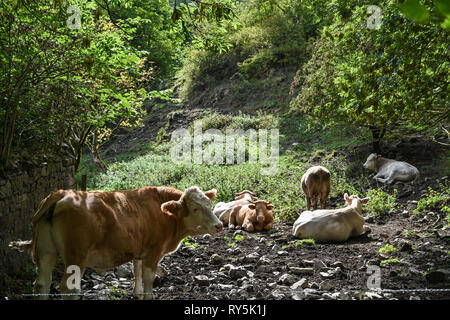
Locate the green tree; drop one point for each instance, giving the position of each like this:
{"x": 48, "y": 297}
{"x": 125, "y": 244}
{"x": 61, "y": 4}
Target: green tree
{"x": 380, "y": 78}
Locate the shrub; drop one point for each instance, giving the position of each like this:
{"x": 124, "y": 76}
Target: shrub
{"x": 380, "y": 203}
{"x": 435, "y": 200}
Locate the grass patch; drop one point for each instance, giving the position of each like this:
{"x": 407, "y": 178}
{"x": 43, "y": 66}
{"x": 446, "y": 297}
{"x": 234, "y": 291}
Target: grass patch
{"x": 381, "y": 203}
{"x": 387, "y": 249}
{"x": 305, "y": 242}
{"x": 389, "y": 261}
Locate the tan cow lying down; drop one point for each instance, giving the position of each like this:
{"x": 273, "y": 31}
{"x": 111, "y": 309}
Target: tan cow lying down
{"x": 102, "y": 230}
{"x": 390, "y": 171}
{"x": 316, "y": 184}
{"x": 332, "y": 224}
{"x": 242, "y": 198}
{"x": 256, "y": 216}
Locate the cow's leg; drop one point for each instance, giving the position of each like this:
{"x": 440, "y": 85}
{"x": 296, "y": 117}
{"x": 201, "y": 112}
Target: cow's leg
{"x": 233, "y": 217}
{"x": 315, "y": 200}
{"x": 268, "y": 226}
{"x": 45, "y": 267}
{"x": 247, "y": 225}
{"x": 138, "y": 288}
{"x": 74, "y": 267}
{"x": 148, "y": 275}
{"x": 46, "y": 255}
{"x": 308, "y": 202}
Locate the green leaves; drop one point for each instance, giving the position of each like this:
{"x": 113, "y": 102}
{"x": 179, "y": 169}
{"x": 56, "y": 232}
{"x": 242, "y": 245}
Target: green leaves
{"x": 415, "y": 10}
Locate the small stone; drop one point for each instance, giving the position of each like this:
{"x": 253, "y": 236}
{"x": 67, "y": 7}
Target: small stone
{"x": 325, "y": 275}
{"x": 237, "y": 272}
{"x": 252, "y": 257}
{"x": 224, "y": 286}
{"x": 216, "y": 259}
{"x": 301, "y": 284}
{"x": 286, "y": 279}
{"x": 123, "y": 271}
{"x": 325, "y": 286}
{"x": 99, "y": 286}
{"x": 308, "y": 263}
{"x": 318, "y": 264}
{"x": 372, "y": 296}
{"x": 201, "y": 280}
{"x": 301, "y": 271}
{"x": 282, "y": 253}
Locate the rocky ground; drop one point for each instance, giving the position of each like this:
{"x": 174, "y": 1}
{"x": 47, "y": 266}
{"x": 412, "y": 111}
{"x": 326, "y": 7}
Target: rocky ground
{"x": 235, "y": 264}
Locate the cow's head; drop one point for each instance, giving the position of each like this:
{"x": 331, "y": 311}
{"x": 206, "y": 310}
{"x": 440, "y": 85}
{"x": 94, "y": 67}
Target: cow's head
{"x": 262, "y": 209}
{"x": 194, "y": 207}
{"x": 372, "y": 161}
{"x": 356, "y": 201}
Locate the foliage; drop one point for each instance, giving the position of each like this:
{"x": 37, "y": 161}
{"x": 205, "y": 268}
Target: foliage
{"x": 381, "y": 203}
{"x": 435, "y": 200}
{"x": 387, "y": 262}
{"x": 65, "y": 87}
{"x": 377, "y": 78}
{"x": 305, "y": 242}
{"x": 387, "y": 249}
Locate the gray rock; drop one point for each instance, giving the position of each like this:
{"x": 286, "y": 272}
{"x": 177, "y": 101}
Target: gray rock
{"x": 202, "y": 280}
{"x": 308, "y": 263}
{"x": 301, "y": 284}
{"x": 99, "y": 286}
{"x": 372, "y": 296}
{"x": 252, "y": 257}
{"x": 286, "y": 279}
{"x": 325, "y": 286}
{"x": 319, "y": 264}
{"x": 225, "y": 286}
{"x": 263, "y": 261}
{"x": 124, "y": 271}
{"x": 237, "y": 272}
{"x": 326, "y": 275}
{"x": 216, "y": 259}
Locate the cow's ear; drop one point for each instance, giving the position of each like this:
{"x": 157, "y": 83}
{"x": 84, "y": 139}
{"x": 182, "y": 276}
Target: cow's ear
{"x": 378, "y": 156}
{"x": 211, "y": 194}
{"x": 270, "y": 207}
{"x": 346, "y": 198}
{"x": 171, "y": 208}
{"x": 252, "y": 206}
{"x": 365, "y": 200}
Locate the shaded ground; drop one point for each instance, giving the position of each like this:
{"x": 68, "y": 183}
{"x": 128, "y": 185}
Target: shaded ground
{"x": 235, "y": 264}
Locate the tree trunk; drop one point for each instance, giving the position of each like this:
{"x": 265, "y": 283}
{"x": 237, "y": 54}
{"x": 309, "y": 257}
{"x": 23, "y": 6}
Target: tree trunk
{"x": 377, "y": 136}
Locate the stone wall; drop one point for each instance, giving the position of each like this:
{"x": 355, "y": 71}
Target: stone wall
{"x": 21, "y": 191}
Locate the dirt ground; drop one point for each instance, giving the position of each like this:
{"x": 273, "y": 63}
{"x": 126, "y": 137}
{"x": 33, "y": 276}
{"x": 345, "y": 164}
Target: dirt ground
{"x": 235, "y": 264}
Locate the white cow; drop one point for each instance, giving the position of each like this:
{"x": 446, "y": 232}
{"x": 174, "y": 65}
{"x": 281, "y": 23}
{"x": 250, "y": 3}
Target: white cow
{"x": 390, "y": 171}
{"x": 332, "y": 224}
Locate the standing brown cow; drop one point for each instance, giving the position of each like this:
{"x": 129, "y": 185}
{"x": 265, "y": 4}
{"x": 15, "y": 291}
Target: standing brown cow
{"x": 316, "y": 184}
{"x": 102, "y": 230}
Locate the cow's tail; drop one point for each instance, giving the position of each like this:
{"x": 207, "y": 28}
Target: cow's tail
{"x": 45, "y": 210}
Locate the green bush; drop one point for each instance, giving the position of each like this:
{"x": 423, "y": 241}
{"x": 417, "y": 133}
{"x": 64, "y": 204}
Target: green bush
{"x": 435, "y": 200}
{"x": 380, "y": 203}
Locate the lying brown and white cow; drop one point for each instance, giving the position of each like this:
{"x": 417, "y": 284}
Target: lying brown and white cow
{"x": 332, "y": 224}
{"x": 242, "y": 198}
{"x": 256, "y": 216}
{"x": 316, "y": 183}
{"x": 102, "y": 230}
{"x": 390, "y": 171}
